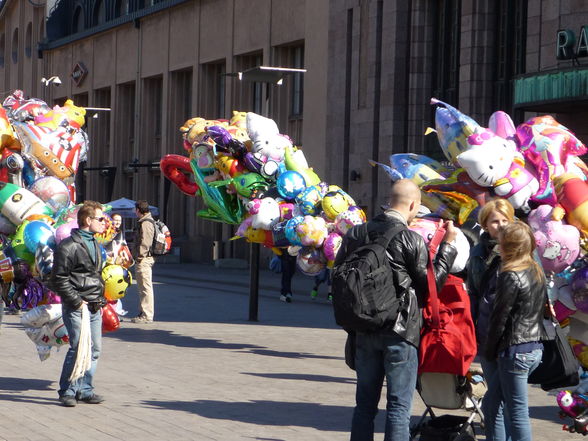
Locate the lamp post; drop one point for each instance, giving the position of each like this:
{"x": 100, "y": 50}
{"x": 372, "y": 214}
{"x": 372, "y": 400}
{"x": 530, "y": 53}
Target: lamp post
{"x": 51, "y": 80}
{"x": 267, "y": 75}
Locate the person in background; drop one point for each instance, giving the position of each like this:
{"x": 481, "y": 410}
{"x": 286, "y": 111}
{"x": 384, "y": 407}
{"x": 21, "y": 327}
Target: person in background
{"x": 117, "y": 253}
{"x": 76, "y": 278}
{"x": 319, "y": 279}
{"x": 516, "y": 329}
{"x": 288, "y": 271}
{"x": 144, "y": 262}
{"x": 482, "y": 276}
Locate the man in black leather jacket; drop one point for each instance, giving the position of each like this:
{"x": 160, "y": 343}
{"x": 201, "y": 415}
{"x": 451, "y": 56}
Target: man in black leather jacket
{"x": 392, "y": 352}
{"x": 76, "y": 278}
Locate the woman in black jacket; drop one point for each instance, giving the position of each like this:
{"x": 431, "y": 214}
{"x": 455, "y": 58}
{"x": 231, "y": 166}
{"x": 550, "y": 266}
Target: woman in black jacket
{"x": 483, "y": 269}
{"x": 516, "y": 327}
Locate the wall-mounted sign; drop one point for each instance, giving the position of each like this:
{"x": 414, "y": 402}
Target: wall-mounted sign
{"x": 78, "y": 73}
{"x": 567, "y": 48}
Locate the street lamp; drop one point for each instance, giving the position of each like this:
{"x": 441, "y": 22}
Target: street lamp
{"x": 51, "y": 80}
{"x": 267, "y": 75}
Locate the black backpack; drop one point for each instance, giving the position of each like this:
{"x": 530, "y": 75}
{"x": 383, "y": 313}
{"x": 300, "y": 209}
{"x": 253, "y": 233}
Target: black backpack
{"x": 363, "y": 285}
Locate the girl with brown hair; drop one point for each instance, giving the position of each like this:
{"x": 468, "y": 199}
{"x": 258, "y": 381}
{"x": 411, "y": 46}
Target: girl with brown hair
{"x": 516, "y": 328}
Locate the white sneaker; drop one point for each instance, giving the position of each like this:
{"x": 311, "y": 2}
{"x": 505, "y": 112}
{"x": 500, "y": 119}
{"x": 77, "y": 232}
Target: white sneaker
{"x": 286, "y": 298}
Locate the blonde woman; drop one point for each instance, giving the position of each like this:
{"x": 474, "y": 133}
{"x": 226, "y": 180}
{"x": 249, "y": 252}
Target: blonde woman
{"x": 483, "y": 271}
{"x": 516, "y": 327}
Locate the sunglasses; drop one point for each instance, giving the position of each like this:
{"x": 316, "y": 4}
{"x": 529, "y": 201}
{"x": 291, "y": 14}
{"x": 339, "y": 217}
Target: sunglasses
{"x": 99, "y": 219}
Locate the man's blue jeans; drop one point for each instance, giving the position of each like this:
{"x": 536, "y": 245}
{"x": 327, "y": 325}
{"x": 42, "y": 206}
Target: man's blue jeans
{"x": 513, "y": 373}
{"x": 380, "y": 356}
{"x": 492, "y": 405}
{"x": 72, "y": 319}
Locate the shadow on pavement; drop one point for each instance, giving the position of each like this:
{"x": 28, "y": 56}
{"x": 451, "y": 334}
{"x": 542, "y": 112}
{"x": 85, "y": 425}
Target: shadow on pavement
{"x": 270, "y": 353}
{"x": 546, "y": 413}
{"x": 266, "y": 413}
{"x": 30, "y": 399}
{"x": 305, "y": 377}
{"x": 22, "y": 384}
{"x": 141, "y": 335}
{"x": 170, "y": 338}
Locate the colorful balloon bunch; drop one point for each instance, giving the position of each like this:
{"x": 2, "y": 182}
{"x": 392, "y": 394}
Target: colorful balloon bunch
{"x": 250, "y": 175}
{"x": 40, "y": 150}
{"x": 536, "y": 166}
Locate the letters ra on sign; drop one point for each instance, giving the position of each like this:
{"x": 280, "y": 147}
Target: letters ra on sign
{"x": 568, "y": 48}
{"x": 78, "y": 73}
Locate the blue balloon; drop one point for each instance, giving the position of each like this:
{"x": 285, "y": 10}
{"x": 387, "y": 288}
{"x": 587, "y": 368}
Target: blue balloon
{"x": 309, "y": 200}
{"x": 102, "y": 253}
{"x": 38, "y": 232}
{"x": 290, "y": 230}
{"x": 290, "y": 183}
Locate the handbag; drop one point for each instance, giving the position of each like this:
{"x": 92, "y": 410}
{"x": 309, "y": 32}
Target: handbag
{"x": 559, "y": 366}
{"x": 448, "y": 340}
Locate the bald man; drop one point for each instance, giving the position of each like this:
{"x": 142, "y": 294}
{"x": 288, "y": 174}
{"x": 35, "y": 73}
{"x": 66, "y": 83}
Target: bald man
{"x": 391, "y": 353}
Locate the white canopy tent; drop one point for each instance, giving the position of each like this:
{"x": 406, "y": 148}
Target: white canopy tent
{"x": 126, "y": 208}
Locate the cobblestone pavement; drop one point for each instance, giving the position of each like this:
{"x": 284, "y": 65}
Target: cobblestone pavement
{"x": 202, "y": 371}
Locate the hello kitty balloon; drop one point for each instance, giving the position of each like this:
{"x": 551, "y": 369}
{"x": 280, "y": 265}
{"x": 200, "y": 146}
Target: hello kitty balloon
{"x": 558, "y": 243}
{"x": 493, "y": 161}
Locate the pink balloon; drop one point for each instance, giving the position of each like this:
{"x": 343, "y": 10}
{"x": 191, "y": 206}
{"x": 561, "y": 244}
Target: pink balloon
{"x": 331, "y": 245}
{"x": 558, "y": 243}
{"x": 65, "y": 230}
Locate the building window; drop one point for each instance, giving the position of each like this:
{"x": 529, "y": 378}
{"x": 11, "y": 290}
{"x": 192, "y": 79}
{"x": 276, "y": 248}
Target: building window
{"x": 78, "y": 20}
{"x": 510, "y": 50}
{"x": 123, "y": 152}
{"x": 446, "y": 82}
{"x": 297, "y": 82}
{"x": 2, "y": 49}
{"x": 212, "y": 90}
{"x": 14, "y": 47}
{"x": 151, "y": 127}
{"x": 99, "y": 12}
{"x": 174, "y": 207}
{"x": 121, "y": 8}
{"x": 248, "y": 96}
{"x": 29, "y": 40}
{"x": 287, "y": 99}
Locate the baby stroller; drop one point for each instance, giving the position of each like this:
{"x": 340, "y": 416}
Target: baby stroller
{"x": 448, "y": 391}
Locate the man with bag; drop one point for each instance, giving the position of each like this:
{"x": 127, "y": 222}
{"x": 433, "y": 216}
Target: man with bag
{"x": 76, "y": 278}
{"x": 390, "y": 352}
{"x": 144, "y": 262}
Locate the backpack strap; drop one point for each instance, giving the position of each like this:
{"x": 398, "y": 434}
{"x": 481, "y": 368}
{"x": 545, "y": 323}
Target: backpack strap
{"x": 433, "y": 297}
{"x": 386, "y": 238}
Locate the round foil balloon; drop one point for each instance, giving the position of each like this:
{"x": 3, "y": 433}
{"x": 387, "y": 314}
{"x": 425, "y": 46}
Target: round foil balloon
{"x": 290, "y": 230}
{"x": 53, "y": 191}
{"x": 312, "y": 231}
{"x": 290, "y": 183}
{"x": 310, "y": 261}
{"x": 110, "y": 320}
{"x": 116, "y": 281}
{"x": 64, "y": 230}
{"x": 309, "y": 200}
{"x": 348, "y": 219}
{"x": 580, "y": 289}
{"x": 331, "y": 245}
{"x": 334, "y": 203}
{"x": 37, "y": 232}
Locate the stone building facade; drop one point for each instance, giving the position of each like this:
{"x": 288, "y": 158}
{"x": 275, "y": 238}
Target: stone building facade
{"x": 372, "y": 67}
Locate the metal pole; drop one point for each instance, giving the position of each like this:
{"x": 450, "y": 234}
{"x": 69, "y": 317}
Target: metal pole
{"x": 253, "y": 281}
